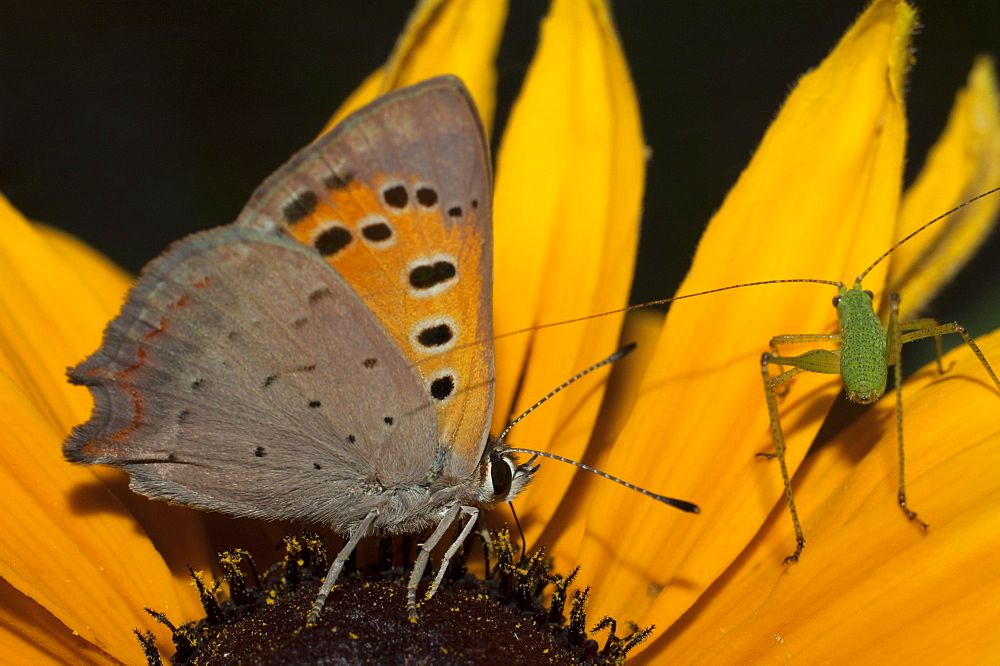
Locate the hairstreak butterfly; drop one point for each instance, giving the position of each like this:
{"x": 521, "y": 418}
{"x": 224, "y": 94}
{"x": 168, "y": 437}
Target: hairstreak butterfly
{"x": 328, "y": 357}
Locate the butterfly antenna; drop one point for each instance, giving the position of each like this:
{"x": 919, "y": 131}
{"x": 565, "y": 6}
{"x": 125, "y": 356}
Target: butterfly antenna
{"x": 683, "y": 505}
{"x": 676, "y": 503}
{"x": 600, "y": 364}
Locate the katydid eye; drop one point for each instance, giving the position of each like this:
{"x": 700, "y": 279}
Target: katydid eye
{"x": 869, "y": 294}
{"x": 836, "y": 300}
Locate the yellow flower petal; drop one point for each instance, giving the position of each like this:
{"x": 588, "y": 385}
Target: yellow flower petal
{"x": 58, "y": 295}
{"x": 964, "y": 162}
{"x": 31, "y": 635}
{"x": 459, "y": 37}
{"x": 818, "y": 200}
{"x": 452, "y": 37}
{"x": 568, "y": 195}
{"x": 98, "y": 274}
{"x": 642, "y": 327}
{"x": 41, "y": 296}
{"x": 369, "y": 89}
{"x": 873, "y": 587}
{"x": 66, "y": 543}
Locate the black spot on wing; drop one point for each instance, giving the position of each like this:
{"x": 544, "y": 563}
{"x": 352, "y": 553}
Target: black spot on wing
{"x": 426, "y": 276}
{"x": 301, "y": 207}
{"x": 396, "y": 196}
{"x": 377, "y": 232}
{"x": 442, "y": 387}
{"x": 435, "y": 336}
{"x": 427, "y": 197}
{"x": 322, "y": 292}
{"x": 332, "y": 240}
{"x": 336, "y": 181}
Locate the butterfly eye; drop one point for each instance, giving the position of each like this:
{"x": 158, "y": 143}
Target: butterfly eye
{"x": 501, "y": 474}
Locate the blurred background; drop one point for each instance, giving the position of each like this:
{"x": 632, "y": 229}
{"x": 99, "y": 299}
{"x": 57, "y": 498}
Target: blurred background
{"x": 133, "y": 124}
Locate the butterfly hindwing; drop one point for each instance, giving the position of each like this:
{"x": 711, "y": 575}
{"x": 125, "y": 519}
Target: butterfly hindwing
{"x": 241, "y": 355}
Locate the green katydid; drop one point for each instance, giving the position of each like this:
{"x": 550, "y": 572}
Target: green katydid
{"x": 868, "y": 347}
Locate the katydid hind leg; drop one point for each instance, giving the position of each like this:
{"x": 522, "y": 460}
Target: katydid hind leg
{"x": 918, "y": 330}
{"x": 793, "y": 339}
{"x": 894, "y": 331}
{"x": 922, "y": 323}
{"x": 954, "y": 327}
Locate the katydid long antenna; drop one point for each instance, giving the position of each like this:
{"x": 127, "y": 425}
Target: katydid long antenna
{"x": 917, "y": 231}
{"x": 857, "y": 280}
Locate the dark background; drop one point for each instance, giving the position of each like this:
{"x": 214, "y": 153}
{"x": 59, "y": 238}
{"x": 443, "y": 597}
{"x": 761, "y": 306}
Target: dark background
{"x": 132, "y": 124}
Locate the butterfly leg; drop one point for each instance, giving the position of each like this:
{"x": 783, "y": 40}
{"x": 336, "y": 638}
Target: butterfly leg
{"x": 338, "y": 564}
{"x": 483, "y": 530}
{"x": 473, "y": 514}
{"x": 424, "y": 557}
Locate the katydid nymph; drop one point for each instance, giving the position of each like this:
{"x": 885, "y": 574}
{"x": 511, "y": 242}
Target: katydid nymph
{"x": 868, "y": 347}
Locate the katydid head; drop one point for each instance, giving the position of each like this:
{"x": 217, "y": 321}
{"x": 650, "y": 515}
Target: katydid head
{"x": 843, "y": 291}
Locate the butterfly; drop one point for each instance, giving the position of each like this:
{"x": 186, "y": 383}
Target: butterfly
{"x": 327, "y": 357}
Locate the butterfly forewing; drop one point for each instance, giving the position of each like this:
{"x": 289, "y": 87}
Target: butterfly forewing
{"x": 229, "y": 363}
{"x": 397, "y": 199}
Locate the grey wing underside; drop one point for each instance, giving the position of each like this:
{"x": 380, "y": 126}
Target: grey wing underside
{"x": 244, "y": 375}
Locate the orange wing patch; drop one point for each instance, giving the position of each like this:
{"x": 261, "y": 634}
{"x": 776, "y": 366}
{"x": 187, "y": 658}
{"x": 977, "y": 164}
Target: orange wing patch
{"x": 417, "y": 272}
{"x": 397, "y": 199}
